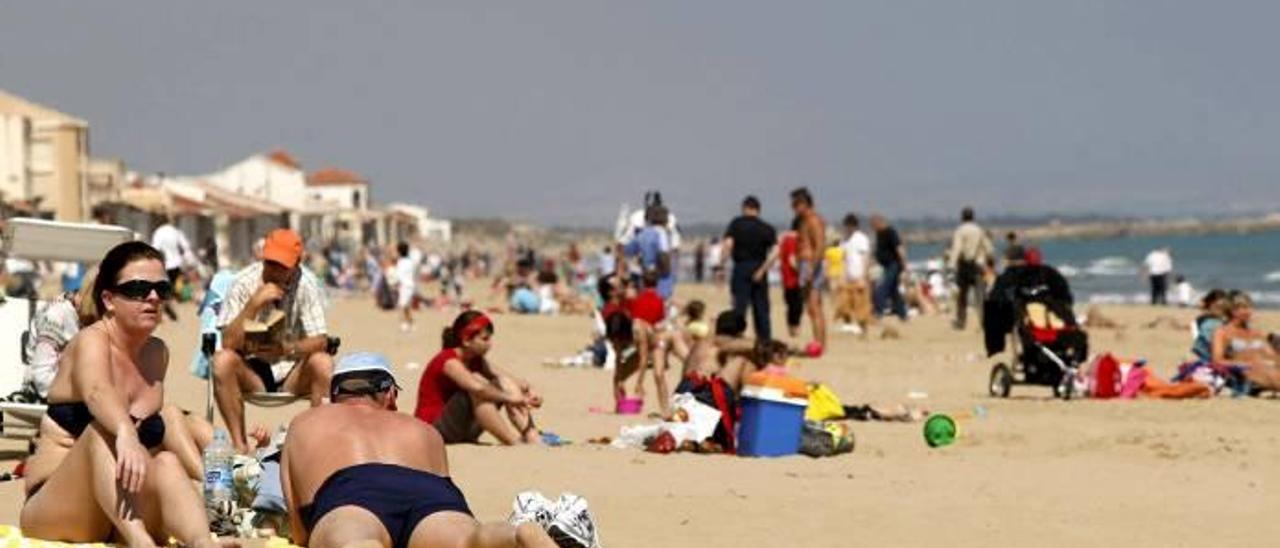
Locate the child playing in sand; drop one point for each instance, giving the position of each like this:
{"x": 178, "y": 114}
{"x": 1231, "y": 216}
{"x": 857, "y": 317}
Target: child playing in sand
{"x": 645, "y": 347}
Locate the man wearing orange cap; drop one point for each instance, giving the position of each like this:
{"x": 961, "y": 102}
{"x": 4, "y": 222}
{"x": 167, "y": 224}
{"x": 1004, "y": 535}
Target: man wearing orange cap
{"x": 273, "y": 333}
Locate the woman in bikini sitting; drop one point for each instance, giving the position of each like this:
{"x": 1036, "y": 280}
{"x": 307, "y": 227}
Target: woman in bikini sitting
{"x": 98, "y": 472}
{"x": 461, "y": 394}
{"x": 1237, "y": 343}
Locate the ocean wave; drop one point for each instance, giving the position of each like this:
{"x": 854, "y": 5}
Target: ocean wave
{"x": 1273, "y": 277}
{"x": 1068, "y": 270}
{"x": 1265, "y": 299}
{"x": 1112, "y": 266}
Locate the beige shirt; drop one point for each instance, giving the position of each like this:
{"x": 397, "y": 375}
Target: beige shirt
{"x": 969, "y": 242}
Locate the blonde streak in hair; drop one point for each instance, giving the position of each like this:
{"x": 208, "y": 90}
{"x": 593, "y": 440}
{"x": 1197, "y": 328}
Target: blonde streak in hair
{"x": 87, "y": 310}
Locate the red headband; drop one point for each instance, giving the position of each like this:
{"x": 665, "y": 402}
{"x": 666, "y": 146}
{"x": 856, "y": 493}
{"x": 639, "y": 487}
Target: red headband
{"x": 476, "y": 325}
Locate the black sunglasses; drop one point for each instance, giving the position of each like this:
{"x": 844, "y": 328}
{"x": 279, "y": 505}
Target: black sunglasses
{"x": 139, "y": 290}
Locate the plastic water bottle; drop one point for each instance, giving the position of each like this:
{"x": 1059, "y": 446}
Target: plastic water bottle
{"x": 218, "y": 491}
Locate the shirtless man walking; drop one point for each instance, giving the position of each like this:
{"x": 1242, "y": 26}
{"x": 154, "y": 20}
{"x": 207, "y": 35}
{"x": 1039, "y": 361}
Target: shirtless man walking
{"x": 810, "y": 247}
{"x": 357, "y": 473}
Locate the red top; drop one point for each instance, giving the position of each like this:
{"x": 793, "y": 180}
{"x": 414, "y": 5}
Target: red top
{"x": 648, "y": 306}
{"x": 435, "y": 388}
{"x": 787, "y": 258}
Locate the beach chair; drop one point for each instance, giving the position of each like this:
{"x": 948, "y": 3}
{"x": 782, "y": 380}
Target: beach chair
{"x": 209, "y": 345}
{"x": 39, "y": 240}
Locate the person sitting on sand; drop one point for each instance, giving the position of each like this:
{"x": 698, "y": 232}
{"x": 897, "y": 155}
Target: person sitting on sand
{"x": 52, "y": 330}
{"x": 1214, "y": 309}
{"x": 1237, "y": 342}
{"x": 99, "y": 471}
{"x": 461, "y": 394}
{"x": 358, "y": 473}
{"x": 693, "y": 336}
{"x": 290, "y": 358}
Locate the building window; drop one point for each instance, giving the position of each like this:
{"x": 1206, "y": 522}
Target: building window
{"x": 355, "y": 199}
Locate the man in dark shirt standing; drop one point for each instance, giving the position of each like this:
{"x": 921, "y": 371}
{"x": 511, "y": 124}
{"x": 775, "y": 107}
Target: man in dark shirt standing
{"x": 891, "y": 253}
{"x": 748, "y": 240}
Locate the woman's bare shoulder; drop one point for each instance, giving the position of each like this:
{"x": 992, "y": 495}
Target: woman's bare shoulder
{"x": 155, "y": 354}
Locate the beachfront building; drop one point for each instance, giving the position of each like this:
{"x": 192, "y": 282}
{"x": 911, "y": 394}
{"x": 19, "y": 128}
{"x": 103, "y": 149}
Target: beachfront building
{"x": 103, "y": 181}
{"x": 204, "y": 212}
{"x": 406, "y": 222}
{"x": 338, "y": 210}
{"x": 44, "y": 158}
{"x": 274, "y": 178}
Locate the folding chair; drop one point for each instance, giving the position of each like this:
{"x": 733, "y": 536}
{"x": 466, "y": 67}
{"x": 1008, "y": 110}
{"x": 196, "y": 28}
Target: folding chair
{"x": 209, "y": 345}
{"x": 39, "y": 240}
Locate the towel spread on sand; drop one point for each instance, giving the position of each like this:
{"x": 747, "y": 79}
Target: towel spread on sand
{"x": 11, "y": 537}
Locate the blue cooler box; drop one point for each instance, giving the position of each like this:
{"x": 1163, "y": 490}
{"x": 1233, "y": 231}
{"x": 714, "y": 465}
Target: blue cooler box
{"x": 771, "y": 422}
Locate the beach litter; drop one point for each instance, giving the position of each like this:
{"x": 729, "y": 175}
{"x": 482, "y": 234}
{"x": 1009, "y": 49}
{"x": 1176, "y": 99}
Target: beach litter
{"x": 699, "y": 423}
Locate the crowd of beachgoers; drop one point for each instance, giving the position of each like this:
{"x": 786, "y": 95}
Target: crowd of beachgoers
{"x": 115, "y": 459}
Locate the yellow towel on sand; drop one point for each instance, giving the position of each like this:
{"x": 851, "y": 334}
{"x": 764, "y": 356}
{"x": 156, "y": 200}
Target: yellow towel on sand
{"x": 11, "y": 537}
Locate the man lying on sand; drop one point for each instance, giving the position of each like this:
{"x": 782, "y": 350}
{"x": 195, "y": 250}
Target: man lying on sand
{"x": 358, "y": 473}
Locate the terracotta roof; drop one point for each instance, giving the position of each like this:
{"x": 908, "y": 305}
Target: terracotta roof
{"x": 335, "y": 176}
{"x": 282, "y": 157}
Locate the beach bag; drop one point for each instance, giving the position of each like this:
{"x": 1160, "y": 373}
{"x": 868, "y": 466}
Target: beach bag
{"x": 714, "y": 392}
{"x": 823, "y": 404}
{"x": 1105, "y": 380}
{"x": 209, "y": 312}
{"x": 825, "y": 438}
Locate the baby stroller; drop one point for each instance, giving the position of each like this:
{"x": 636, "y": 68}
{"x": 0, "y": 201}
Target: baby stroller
{"x": 1033, "y": 304}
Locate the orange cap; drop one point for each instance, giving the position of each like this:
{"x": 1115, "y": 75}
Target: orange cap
{"x": 283, "y": 246}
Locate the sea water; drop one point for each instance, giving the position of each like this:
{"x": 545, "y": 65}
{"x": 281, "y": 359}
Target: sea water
{"x": 1109, "y": 270}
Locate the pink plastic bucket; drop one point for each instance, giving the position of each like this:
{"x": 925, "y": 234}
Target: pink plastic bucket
{"x": 630, "y": 406}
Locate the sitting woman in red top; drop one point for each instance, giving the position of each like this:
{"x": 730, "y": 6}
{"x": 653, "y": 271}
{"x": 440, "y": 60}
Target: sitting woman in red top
{"x": 462, "y": 395}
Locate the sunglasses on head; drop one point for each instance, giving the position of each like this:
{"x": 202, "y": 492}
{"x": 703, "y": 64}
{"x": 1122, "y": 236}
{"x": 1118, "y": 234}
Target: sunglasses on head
{"x": 139, "y": 290}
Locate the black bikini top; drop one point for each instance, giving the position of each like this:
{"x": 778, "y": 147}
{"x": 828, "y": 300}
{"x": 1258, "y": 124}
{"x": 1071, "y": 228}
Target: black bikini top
{"x": 74, "y": 417}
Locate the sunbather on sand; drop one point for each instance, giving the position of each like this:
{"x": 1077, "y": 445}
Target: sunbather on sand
{"x": 772, "y": 357}
{"x": 356, "y": 473}
{"x": 461, "y": 393}
{"x": 100, "y": 472}
{"x": 52, "y": 330}
{"x": 1236, "y": 342}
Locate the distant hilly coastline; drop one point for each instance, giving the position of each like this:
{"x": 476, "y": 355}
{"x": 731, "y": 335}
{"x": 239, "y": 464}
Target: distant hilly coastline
{"x": 1114, "y": 228}
{"x": 924, "y": 230}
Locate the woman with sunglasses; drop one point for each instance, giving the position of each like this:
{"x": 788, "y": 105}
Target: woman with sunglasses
{"x": 98, "y": 472}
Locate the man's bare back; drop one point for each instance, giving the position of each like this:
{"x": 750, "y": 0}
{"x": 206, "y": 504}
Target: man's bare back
{"x": 368, "y": 435}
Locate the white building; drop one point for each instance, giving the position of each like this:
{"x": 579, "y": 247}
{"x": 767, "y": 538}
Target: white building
{"x": 44, "y": 155}
{"x": 275, "y": 178}
{"x": 338, "y": 209}
{"x": 405, "y": 221}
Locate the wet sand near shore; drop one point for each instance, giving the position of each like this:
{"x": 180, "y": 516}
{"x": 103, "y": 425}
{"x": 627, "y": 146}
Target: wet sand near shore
{"x": 1034, "y": 470}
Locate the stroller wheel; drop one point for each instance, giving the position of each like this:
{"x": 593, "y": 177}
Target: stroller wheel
{"x": 1066, "y": 387}
{"x": 1001, "y": 381}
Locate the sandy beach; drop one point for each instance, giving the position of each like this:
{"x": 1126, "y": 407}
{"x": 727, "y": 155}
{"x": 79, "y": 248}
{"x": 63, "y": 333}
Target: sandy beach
{"x": 1034, "y": 470}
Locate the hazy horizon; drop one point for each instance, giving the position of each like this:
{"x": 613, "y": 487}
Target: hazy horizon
{"x": 558, "y": 112}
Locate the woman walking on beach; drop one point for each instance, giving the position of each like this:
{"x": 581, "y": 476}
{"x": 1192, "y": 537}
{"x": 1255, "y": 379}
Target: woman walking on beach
{"x": 98, "y": 471}
{"x": 462, "y": 395}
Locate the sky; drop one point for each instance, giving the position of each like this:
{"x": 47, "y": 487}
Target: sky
{"x": 557, "y": 112}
